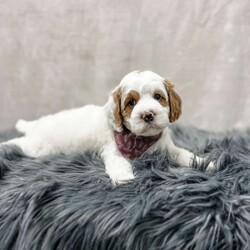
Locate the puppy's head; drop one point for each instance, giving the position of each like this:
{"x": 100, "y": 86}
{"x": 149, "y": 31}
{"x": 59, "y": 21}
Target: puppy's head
{"x": 144, "y": 103}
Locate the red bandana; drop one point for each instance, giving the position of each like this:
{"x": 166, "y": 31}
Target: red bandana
{"x": 132, "y": 146}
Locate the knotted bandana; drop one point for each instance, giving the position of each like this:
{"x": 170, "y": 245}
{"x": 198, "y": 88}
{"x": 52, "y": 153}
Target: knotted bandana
{"x": 132, "y": 146}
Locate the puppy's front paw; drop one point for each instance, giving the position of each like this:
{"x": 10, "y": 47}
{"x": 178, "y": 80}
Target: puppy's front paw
{"x": 121, "y": 176}
{"x": 210, "y": 167}
{"x": 118, "y": 168}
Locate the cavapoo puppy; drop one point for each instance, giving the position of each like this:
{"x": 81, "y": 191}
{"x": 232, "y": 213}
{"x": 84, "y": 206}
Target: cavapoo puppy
{"x": 134, "y": 121}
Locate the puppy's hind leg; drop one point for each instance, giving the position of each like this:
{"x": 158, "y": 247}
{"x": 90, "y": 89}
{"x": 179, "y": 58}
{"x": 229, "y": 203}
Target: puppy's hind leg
{"x": 20, "y": 142}
{"x": 24, "y": 126}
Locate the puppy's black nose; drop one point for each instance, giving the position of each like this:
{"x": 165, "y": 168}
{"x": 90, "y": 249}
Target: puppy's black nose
{"x": 148, "y": 117}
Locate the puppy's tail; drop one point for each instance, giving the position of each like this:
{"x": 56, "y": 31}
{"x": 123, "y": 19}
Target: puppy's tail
{"x": 24, "y": 126}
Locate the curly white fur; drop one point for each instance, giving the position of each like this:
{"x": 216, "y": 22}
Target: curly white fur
{"x": 91, "y": 128}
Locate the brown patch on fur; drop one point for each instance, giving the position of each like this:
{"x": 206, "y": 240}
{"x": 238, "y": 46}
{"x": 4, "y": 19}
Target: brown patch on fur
{"x": 163, "y": 100}
{"x": 117, "y": 110}
{"x": 128, "y": 109}
{"x": 174, "y": 101}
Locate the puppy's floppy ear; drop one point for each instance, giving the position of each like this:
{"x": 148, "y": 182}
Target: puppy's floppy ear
{"x": 174, "y": 101}
{"x": 117, "y": 110}
{"x": 113, "y": 107}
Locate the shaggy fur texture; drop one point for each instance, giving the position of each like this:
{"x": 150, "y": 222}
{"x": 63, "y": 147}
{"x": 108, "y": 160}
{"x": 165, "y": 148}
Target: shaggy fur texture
{"x": 142, "y": 105}
{"x": 68, "y": 202}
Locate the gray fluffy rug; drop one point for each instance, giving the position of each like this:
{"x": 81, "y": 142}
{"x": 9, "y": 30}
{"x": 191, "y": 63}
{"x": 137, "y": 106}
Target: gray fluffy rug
{"x": 68, "y": 202}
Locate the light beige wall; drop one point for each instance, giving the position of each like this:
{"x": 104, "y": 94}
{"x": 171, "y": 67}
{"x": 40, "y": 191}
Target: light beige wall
{"x": 62, "y": 54}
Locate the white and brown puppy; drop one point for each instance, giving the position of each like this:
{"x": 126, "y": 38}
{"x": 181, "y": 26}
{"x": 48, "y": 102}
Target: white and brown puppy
{"x": 134, "y": 121}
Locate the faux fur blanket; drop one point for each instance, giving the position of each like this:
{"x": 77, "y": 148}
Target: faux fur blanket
{"x": 68, "y": 202}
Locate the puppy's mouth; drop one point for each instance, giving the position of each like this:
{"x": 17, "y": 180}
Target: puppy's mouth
{"x": 147, "y": 129}
{"x": 154, "y": 125}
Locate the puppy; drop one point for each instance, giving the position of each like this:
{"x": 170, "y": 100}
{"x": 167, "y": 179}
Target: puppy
{"x": 134, "y": 121}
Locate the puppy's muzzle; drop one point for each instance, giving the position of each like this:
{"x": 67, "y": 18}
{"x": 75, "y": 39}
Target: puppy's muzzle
{"x": 148, "y": 117}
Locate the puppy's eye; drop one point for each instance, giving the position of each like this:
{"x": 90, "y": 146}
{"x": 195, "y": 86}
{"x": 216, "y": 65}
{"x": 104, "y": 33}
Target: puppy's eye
{"x": 157, "y": 97}
{"x": 132, "y": 103}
